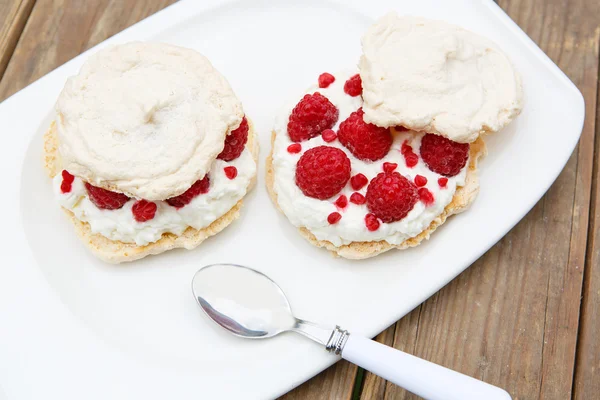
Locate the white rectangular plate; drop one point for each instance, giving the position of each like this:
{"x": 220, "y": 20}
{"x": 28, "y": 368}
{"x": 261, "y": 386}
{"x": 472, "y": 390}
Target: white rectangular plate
{"x": 72, "y": 327}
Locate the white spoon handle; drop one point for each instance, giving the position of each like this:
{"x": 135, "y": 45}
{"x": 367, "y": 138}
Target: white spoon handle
{"x": 423, "y": 378}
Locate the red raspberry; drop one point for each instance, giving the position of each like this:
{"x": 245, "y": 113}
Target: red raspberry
{"x": 342, "y": 201}
{"x": 443, "y": 182}
{"x": 200, "y": 187}
{"x": 143, "y": 210}
{"x": 294, "y": 148}
{"x": 365, "y": 141}
{"x": 420, "y": 180}
{"x": 410, "y": 157}
{"x": 105, "y": 199}
{"x": 328, "y": 135}
{"x": 442, "y": 155}
{"x": 311, "y": 116}
{"x": 67, "y": 181}
{"x": 357, "y": 198}
{"x": 358, "y": 181}
{"x": 230, "y": 172}
{"x": 411, "y": 160}
{"x": 389, "y": 166}
{"x": 65, "y": 187}
{"x": 390, "y": 196}
{"x": 371, "y": 222}
{"x": 425, "y": 196}
{"x": 353, "y": 86}
{"x": 235, "y": 142}
{"x": 334, "y": 217}
{"x": 322, "y": 172}
{"x": 326, "y": 79}
{"x": 67, "y": 177}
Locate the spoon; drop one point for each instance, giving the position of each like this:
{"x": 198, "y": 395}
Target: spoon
{"x": 249, "y": 304}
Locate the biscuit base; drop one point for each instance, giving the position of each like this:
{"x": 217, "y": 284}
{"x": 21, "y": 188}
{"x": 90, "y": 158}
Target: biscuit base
{"x": 114, "y": 251}
{"x": 463, "y": 197}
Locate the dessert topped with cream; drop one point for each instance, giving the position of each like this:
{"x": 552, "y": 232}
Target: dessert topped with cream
{"x": 436, "y": 77}
{"x": 150, "y": 149}
{"x": 378, "y": 158}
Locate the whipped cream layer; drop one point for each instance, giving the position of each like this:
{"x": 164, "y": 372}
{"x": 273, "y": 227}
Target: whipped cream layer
{"x": 202, "y": 211}
{"x": 145, "y": 119}
{"x": 436, "y": 77}
{"x": 310, "y": 213}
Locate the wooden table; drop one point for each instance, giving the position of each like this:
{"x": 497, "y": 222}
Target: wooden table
{"x": 526, "y": 315}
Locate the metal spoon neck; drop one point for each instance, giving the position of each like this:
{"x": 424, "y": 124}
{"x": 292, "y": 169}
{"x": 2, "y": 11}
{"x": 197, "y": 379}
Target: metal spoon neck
{"x": 333, "y": 339}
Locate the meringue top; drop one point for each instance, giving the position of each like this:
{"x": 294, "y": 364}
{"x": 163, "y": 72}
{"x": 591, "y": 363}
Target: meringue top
{"x": 145, "y": 119}
{"x": 436, "y": 77}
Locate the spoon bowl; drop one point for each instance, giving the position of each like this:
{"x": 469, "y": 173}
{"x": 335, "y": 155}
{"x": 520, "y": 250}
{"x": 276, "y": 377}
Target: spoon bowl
{"x": 242, "y": 300}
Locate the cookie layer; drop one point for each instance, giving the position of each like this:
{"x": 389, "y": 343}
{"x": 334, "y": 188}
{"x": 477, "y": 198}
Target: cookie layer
{"x": 436, "y": 77}
{"x": 145, "y": 119}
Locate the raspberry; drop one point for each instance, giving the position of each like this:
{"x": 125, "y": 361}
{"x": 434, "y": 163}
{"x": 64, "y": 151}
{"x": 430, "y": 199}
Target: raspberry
{"x": 200, "y": 187}
{"x": 425, "y": 196}
{"x": 67, "y": 177}
{"x": 410, "y": 158}
{"x": 401, "y": 128}
{"x": 312, "y": 114}
{"x": 389, "y": 166}
{"x": 442, "y": 182}
{"x": 143, "y": 210}
{"x": 390, "y": 196}
{"x": 371, "y": 222}
{"x": 326, "y": 79}
{"x": 442, "y": 155}
{"x": 357, "y": 198}
{"x": 105, "y": 199}
{"x": 322, "y": 172}
{"x": 235, "y": 142}
{"x": 67, "y": 182}
{"x": 342, "y": 201}
{"x": 420, "y": 180}
{"x": 353, "y": 86}
{"x": 328, "y": 135}
{"x": 294, "y": 148}
{"x": 334, "y": 218}
{"x": 358, "y": 181}
{"x": 65, "y": 187}
{"x": 230, "y": 172}
{"x": 365, "y": 141}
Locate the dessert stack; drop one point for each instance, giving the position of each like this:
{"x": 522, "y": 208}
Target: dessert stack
{"x": 377, "y": 158}
{"x": 150, "y": 151}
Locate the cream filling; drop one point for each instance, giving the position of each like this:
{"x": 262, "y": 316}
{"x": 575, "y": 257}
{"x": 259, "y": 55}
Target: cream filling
{"x": 310, "y": 213}
{"x": 203, "y": 210}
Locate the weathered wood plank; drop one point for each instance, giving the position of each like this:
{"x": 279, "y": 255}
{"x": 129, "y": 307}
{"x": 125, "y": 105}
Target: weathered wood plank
{"x": 403, "y": 336}
{"x": 336, "y": 382}
{"x": 13, "y": 15}
{"x": 511, "y": 319}
{"x": 587, "y": 367}
{"x": 58, "y": 30}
